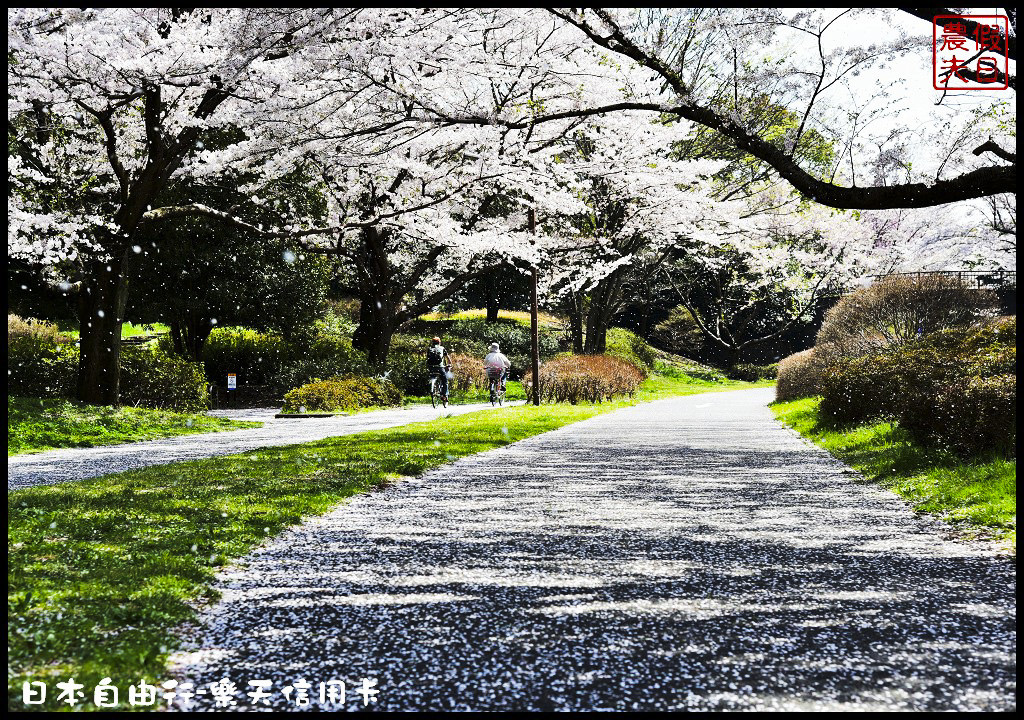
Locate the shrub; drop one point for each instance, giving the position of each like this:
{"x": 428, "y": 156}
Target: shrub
{"x": 799, "y": 375}
{"x": 586, "y": 378}
{"x": 469, "y": 373}
{"x": 155, "y": 379}
{"x": 753, "y": 373}
{"x": 327, "y": 355}
{"x": 342, "y": 394}
{"x": 407, "y": 366}
{"x": 40, "y": 362}
{"x": 630, "y": 347}
{"x": 899, "y": 309}
{"x": 255, "y": 358}
{"x": 956, "y": 387}
{"x": 680, "y": 334}
{"x": 32, "y": 330}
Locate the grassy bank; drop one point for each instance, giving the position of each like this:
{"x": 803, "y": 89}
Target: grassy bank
{"x": 101, "y": 570}
{"x": 978, "y": 494}
{"x": 34, "y": 425}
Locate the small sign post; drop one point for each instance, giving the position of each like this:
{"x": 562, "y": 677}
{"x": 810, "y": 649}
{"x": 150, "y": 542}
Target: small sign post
{"x": 232, "y": 381}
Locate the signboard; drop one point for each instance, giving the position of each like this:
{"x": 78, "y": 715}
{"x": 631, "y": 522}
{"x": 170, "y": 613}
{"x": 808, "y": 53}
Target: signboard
{"x": 232, "y": 384}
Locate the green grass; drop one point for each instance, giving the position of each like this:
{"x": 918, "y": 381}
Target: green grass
{"x": 519, "y": 316}
{"x": 102, "y": 570}
{"x": 34, "y": 425}
{"x": 70, "y": 327}
{"x": 977, "y": 494}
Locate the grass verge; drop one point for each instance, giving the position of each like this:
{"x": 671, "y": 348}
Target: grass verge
{"x": 34, "y": 424}
{"x": 978, "y": 494}
{"x": 101, "y": 571}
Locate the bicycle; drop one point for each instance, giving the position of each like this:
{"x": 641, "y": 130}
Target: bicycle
{"x": 436, "y": 396}
{"x": 496, "y": 388}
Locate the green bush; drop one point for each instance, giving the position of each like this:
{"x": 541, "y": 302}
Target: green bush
{"x": 407, "y": 366}
{"x": 679, "y": 333}
{"x": 255, "y": 358}
{"x": 342, "y": 394}
{"x": 753, "y": 373}
{"x": 629, "y": 346}
{"x": 39, "y": 367}
{"x": 266, "y": 359}
{"x": 327, "y": 355}
{"x": 152, "y": 378}
{"x": 586, "y": 378}
{"x": 48, "y": 368}
{"x": 799, "y": 375}
{"x": 956, "y": 387}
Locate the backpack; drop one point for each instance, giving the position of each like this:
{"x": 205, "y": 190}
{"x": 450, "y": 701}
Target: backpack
{"x": 435, "y": 356}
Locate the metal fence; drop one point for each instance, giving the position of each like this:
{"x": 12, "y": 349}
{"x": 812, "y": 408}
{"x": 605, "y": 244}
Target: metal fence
{"x": 978, "y": 278}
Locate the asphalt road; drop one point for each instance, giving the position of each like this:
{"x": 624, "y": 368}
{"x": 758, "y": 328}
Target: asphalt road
{"x": 687, "y": 554}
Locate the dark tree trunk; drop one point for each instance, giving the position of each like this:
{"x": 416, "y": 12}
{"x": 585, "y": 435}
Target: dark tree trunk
{"x": 576, "y": 322}
{"x": 599, "y": 315}
{"x": 100, "y": 312}
{"x": 493, "y": 306}
{"x": 189, "y": 331}
{"x": 733, "y": 354}
{"x": 376, "y": 327}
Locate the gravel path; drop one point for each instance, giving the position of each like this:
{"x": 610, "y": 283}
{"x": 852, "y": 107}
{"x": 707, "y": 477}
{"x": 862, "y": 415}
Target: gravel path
{"x": 57, "y": 466}
{"x": 687, "y": 554}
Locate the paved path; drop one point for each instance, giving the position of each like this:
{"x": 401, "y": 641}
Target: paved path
{"x": 688, "y": 554}
{"x": 56, "y": 466}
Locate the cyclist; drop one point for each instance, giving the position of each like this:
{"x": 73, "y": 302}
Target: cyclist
{"x": 438, "y": 364}
{"x": 497, "y": 365}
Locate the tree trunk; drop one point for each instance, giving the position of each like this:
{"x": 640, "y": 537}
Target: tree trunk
{"x": 597, "y": 321}
{"x": 576, "y": 322}
{"x": 734, "y": 354}
{"x": 493, "y": 306}
{"x": 100, "y": 313}
{"x": 190, "y": 331}
{"x": 376, "y": 327}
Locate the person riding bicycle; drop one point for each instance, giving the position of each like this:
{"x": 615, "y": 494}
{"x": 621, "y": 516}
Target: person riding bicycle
{"x": 438, "y": 364}
{"x": 496, "y": 365}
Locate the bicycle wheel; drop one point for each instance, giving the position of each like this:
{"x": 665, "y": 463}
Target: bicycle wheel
{"x": 501, "y": 397}
{"x": 433, "y": 392}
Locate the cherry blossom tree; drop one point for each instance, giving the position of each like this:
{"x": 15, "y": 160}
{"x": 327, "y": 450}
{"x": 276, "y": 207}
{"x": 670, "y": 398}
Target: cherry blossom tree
{"x": 108, "y": 106}
{"x": 710, "y": 66}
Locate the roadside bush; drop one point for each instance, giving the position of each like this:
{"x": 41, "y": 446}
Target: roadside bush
{"x": 40, "y": 363}
{"x": 342, "y": 394}
{"x": 956, "y": 387}
{"x": 586, "y": 378}
{"x": 752, "y": 373}
{"x": 799, "y": 375}
{"x": 155, "y": 379}
{"x": 897, "y": 310}
{"x": 469, "y": 373}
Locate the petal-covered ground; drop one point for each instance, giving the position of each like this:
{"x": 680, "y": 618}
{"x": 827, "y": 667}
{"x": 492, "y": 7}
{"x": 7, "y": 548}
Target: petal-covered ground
{"x": 686, "y": 554}
{"x": 57, "y": 466}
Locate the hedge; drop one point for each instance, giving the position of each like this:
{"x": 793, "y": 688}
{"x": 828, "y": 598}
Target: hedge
{"x": 342, "y": 394}
{"x": 586, "y": 378}
{"x": 956, "y": 388}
